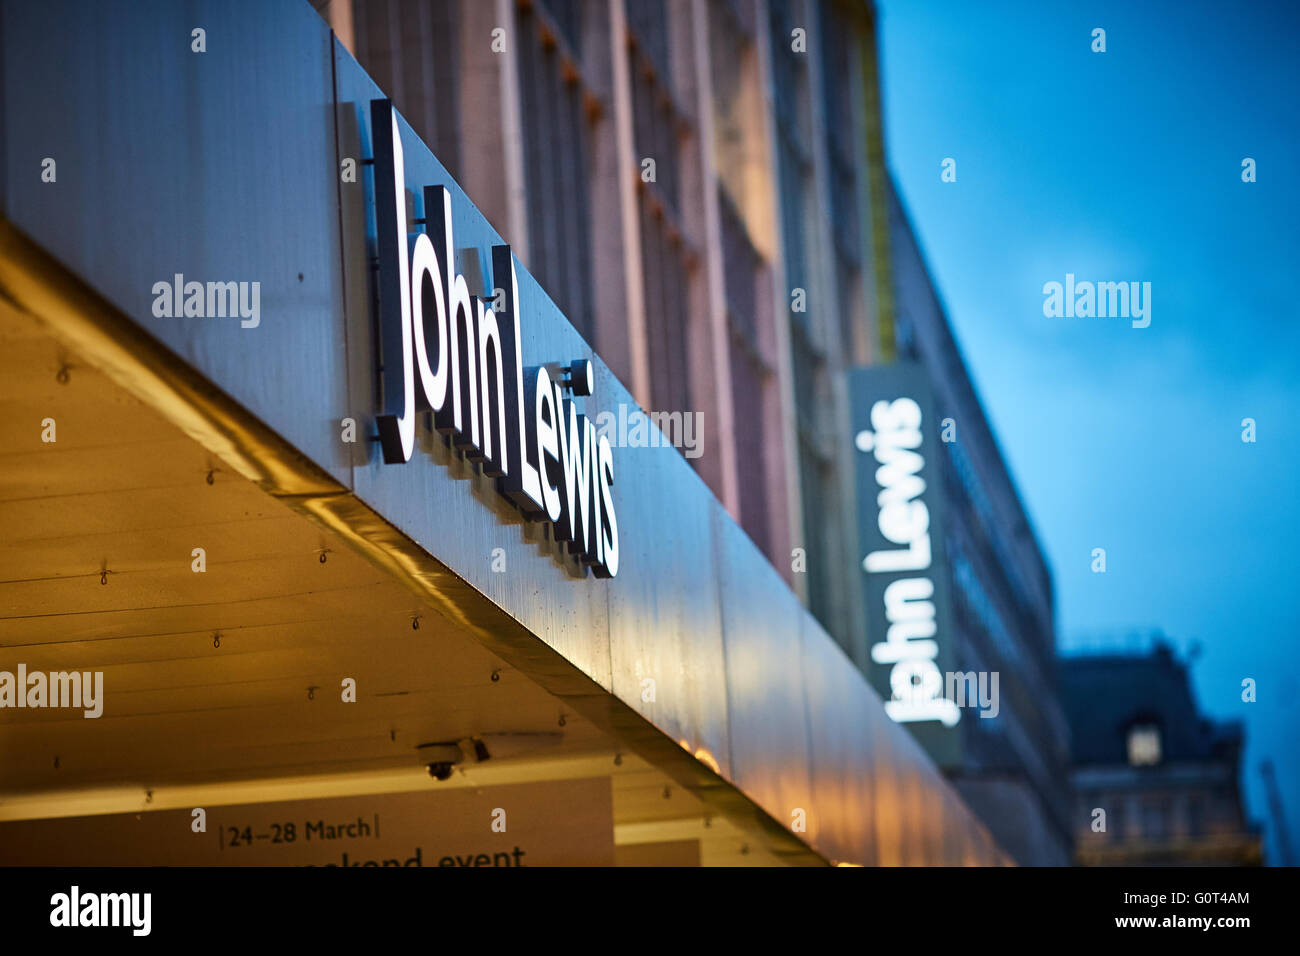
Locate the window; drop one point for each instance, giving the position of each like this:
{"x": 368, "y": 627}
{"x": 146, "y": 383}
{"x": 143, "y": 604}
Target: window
{"x": 667, "y": 287}
{"x": 408, "y": 56}
{"x": 1155, "y": 819}
{"x": 1117, "y": 820}
{"x": 750, "y": 373}
{"x": 819, "y": 495}
{"x": 1144, "y": 745}
{"x": 556, "y": 136}
{"x": 658, "y": 130}
{"x": 838, "y": 63}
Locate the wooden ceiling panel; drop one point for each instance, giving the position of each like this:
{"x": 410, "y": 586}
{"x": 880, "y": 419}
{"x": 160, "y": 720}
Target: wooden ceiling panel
{"x": 124, "y": 492}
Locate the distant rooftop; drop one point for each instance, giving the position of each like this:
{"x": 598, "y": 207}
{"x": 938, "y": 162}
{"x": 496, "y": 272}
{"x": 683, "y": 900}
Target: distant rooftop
{"x": 1105, "y": 693}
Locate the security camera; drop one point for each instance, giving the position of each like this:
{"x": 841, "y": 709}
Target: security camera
{"x": 441, "y": 770}
{"x": 440, "y": 759}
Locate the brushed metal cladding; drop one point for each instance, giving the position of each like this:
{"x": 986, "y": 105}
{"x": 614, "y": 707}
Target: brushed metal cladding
{"x": 840, "y": 820}
{"x": 227, "y": 168}
{"x": 893, "y": 795}
{"x": 665, "y": 620}
{"x": 435, "y": 498}
{"x": 766, "y": 710}
{"x": 213, "y": 165}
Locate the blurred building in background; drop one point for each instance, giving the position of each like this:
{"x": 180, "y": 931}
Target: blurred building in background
{"x": 701, "y": 186}
{"x": 1167, "y": 777}
{"x": 1010, "y": 768}
{"x": 688, "y": 181}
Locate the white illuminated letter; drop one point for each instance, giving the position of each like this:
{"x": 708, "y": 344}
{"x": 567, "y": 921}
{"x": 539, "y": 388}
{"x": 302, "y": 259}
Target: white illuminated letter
{"x": 426, "y": 283}
{"x": 396, "y": 424}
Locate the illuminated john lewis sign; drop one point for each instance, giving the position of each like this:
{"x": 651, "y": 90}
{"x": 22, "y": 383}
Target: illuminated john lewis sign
{"x": 458, "y": 356}
{"x": 900, "y": 538}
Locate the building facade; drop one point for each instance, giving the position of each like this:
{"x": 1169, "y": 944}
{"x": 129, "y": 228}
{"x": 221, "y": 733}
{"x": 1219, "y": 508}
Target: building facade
{"x": 702, "y": 187}
{"x": 690, "y": 179}
{"x": 1156, "y": 782}
{"x": 1010, "y": 761}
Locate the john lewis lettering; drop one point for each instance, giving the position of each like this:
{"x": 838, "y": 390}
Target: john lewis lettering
{"x": 456, "y": 356}
{"x": 901, "y": 531}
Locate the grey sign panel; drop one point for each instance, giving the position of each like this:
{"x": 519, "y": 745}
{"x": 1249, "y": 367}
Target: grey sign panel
{"x": 663, "y": 607}
{"x": 903, "y": 566}
{"x": 213, "y": 166}
{"x": 762, "y": 622}
{"x": 436, "y": 498}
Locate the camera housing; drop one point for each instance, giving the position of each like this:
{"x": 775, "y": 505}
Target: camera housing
{"x": 441, "y": 769}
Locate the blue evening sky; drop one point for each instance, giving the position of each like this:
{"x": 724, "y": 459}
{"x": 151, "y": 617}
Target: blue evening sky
{"x": 1126, "y": 165}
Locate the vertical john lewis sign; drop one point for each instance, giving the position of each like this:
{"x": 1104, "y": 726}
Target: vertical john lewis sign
{"x": 900, "y": 533}
{"x": 458, "y": 357}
